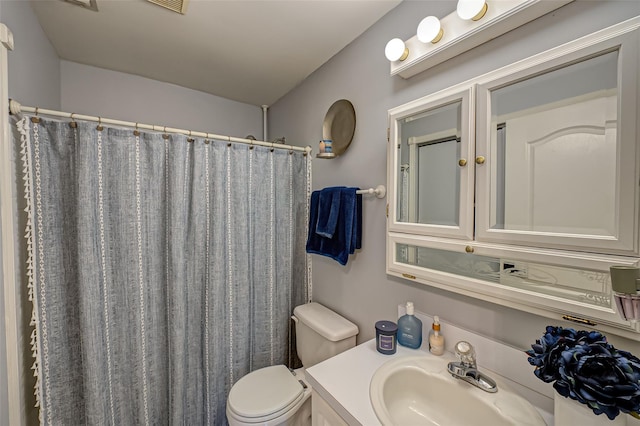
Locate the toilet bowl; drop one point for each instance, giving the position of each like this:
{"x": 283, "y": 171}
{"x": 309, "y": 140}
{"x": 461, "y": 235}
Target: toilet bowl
{"x": 270, "y": 396}
{"x": 275, "y": 395}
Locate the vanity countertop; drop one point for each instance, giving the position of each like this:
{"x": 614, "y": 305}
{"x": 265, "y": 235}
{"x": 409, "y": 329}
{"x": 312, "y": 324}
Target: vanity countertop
{"x": 343, "y": 381}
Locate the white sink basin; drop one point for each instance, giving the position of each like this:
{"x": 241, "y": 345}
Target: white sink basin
{"x": 418, "y": 390}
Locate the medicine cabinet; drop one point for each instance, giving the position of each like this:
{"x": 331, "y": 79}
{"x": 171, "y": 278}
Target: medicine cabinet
{"x": 521, "y": 186}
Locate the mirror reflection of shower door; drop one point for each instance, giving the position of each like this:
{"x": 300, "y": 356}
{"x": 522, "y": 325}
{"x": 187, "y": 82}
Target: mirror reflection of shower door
{"x": 434, "y": 197}
{"x": 434, "y": 181}
{"x": 434, "y": 165}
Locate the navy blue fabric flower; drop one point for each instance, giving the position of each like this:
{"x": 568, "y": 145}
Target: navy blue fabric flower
{"x": 583, "y": 366}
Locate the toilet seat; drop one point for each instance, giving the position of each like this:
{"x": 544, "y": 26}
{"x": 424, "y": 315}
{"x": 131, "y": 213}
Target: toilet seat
{"x": 265, "y": 394}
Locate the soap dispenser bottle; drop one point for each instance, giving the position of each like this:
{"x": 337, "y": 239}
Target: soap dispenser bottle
{"x": 410, "y": 329}
{"x": 436, "y": 340}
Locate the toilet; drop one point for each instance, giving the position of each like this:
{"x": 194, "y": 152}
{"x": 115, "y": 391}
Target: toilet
{"x": 274, "y": 395}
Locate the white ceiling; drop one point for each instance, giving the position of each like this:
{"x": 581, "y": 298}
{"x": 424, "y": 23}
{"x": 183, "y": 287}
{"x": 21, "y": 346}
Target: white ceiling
{"x": 252, "y": 51}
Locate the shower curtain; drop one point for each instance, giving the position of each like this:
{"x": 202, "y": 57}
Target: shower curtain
{"x": 161, "y": 268}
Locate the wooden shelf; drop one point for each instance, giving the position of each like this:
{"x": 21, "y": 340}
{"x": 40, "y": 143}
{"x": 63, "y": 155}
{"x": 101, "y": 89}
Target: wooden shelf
{"x": 326, "y": 155}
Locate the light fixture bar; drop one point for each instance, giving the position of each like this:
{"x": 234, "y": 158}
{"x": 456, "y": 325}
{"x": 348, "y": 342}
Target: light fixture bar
{"x": 461, "y": 35}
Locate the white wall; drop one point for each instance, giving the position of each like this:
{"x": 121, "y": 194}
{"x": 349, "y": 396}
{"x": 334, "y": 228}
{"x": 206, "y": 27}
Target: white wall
{"x": 361, "y": 290}
{"x": 96, "y": 91}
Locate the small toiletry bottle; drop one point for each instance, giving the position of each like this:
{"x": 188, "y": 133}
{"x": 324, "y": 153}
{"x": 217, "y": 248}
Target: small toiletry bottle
{"x": 322, "y": 147}
{"x": 410, "y": 329}
{"x": 436, "y": 340}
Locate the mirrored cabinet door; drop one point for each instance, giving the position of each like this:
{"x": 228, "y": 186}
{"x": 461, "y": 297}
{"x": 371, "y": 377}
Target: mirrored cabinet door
{"x": 431, "y": 149}
{"x": 560, "y": 143}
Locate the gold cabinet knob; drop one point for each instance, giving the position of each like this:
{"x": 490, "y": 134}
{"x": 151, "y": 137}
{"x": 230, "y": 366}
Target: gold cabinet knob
{"x": 462, "y": 162}
{"x": 468, "y": 249}
{"x": 480, "y": 160}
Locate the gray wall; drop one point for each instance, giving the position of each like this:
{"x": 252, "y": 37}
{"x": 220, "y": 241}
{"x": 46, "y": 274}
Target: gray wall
{"x": 34, "y": 79}
{"x": 361, "y": 290}
{"x": 38, "y": 78}
{"x": 34, "y": 67}
{"x": 96, "y": 91}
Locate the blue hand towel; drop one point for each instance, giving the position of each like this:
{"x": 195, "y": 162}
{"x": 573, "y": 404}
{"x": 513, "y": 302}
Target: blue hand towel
{"x": 328, "y": 211}
{"x": 357, "y": 232}
{"x": 335, "y": 235}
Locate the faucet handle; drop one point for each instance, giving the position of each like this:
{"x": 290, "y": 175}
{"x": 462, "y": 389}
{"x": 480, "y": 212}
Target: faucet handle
{"x": 465, "y": 353}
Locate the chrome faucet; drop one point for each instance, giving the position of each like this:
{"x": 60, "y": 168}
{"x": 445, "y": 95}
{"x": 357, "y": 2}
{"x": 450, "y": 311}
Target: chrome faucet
{"x": 467, "y": 370}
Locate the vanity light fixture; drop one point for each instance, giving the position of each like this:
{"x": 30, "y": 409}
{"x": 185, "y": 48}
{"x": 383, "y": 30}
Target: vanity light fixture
{"x": 396, "y": 50}
{"x": 472, "y": 10}
{"x": 463, "y": 34}
{"x": 430, "y": 30}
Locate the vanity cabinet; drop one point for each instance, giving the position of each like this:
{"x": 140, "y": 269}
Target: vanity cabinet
{"x": 322, "y": 414}
{"x": 521, "y": 186}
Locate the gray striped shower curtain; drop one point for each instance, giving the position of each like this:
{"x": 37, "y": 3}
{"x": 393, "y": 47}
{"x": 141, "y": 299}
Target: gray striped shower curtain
{"x": 161, "y": 269}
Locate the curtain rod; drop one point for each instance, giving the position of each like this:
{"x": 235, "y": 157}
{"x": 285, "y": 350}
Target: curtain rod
{"x": 15, "y": 108}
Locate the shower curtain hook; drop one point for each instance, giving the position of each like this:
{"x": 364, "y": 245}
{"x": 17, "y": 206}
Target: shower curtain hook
{"x": 251, "y": 144}
{"x": 190, "y": 139}
{"x": 165, "y": 135}
{"x": 136, "y": 132}
{"x": 73, "y": 123}
{"x": 35, "y": 119}
{"x": 99, "y": 127}
{"x": 272, "y": 148}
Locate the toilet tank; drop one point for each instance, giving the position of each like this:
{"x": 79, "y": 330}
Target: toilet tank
{"x": 321, "y": 333}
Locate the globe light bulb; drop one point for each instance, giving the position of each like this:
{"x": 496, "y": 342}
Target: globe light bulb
{"x": 396, "y": 50}
{"x": 430, "y": 30}
{"x": 471, "y": 9}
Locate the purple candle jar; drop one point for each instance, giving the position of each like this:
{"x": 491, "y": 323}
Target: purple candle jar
{"x": 386, "y": 332}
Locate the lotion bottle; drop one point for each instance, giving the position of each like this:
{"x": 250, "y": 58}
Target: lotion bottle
{"x": 410, "y": 329}
{"x": 436, "y": 340}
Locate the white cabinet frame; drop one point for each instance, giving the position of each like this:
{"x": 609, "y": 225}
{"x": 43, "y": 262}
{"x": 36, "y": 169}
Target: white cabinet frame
{"x": 581, "y": 252}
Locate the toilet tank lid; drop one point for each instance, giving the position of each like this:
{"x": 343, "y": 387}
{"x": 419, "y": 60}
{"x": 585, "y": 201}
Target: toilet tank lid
{"x": 325, "y": 322}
